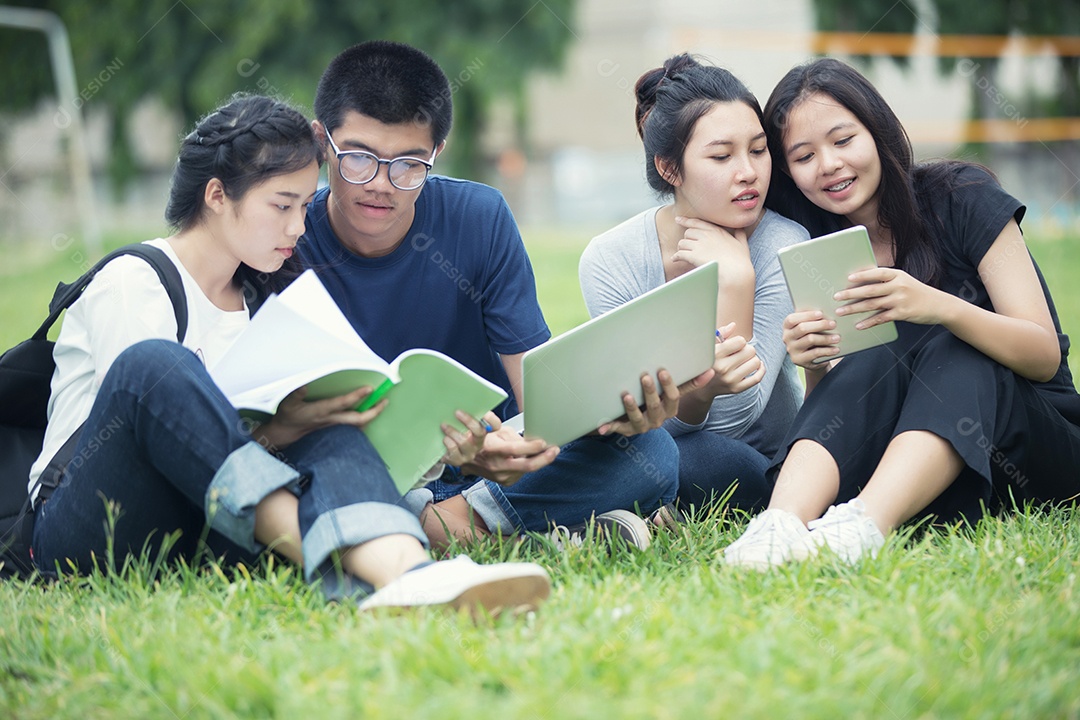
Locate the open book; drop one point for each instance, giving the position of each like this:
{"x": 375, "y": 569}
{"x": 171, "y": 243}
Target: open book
{"x": 300, "y": 337}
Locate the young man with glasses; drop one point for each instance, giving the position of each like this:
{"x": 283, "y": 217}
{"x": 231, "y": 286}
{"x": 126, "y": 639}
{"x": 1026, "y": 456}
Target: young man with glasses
{"x": 431, "y": 261}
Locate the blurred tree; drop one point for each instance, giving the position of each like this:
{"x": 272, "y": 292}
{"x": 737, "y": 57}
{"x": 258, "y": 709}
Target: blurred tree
{"x": 192, "y": 54}
{"x": 969, "y": 17}
{"x": 1005, "y": 17}
{"x": 1055, "y": 17}
{"x": 868, "y": 16}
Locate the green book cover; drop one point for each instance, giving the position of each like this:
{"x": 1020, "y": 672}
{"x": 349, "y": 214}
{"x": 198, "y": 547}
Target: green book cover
{"x": 300, "y": 337}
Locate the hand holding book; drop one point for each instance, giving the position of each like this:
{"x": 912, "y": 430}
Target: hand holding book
{"x": 296, "y": 416}
{"x": 301, "y": 339}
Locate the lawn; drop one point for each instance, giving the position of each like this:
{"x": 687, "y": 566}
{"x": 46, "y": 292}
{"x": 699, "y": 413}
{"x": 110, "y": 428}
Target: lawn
{"x": 977, "y": 622}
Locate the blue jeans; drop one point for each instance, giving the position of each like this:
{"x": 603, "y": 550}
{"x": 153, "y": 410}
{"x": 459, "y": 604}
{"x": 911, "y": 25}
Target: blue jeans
{"x": 709, "y": 464}
{"x": 591, "y": 475}
{"x": 168, "y": 452}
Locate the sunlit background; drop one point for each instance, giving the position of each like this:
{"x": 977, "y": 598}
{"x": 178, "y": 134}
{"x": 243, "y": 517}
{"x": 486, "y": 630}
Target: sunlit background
{"x": 543, "y": 91}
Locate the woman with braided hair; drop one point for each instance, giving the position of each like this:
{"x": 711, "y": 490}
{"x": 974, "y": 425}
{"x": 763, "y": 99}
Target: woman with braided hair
{"x": 163, "y": 462}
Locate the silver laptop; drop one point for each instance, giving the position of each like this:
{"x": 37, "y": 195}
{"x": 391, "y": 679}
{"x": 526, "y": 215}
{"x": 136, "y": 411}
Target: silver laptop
{"x": 574, "y": 383}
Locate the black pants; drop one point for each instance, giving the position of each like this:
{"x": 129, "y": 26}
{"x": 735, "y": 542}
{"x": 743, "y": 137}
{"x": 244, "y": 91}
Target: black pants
{"x": 1011, "y": 439}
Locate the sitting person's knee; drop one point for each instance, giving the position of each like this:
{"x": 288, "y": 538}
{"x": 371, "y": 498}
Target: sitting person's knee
{"x": 945, "y": 350}
{"x": 150, "y": 362}
{"x": 153, "y": 350}
{"x": 652, "y": 459}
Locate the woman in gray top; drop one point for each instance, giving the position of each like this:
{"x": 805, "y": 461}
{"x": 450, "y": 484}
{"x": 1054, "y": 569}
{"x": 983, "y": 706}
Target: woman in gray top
{"x": 706, "y": 149}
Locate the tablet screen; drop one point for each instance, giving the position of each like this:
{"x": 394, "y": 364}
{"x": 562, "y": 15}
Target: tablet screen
{"x": 817, "y": 269}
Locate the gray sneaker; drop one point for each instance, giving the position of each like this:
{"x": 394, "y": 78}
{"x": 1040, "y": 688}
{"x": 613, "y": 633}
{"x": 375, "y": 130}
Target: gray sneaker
{"x": 616, "y": 523}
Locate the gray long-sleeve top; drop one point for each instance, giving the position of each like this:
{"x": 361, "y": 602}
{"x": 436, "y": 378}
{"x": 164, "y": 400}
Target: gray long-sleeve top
{"x": 625, "y": 262}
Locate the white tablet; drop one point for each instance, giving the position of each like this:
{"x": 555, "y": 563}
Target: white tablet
{"x": 574, "y": 383}
{"x": 817, "y": 269}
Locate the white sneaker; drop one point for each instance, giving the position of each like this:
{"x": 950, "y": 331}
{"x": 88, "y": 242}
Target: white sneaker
{"x": 846, "y": 530}
{"x": 767, "y": 540}
{"x": 460, "y": 582}
{"x": 622, "y": 523}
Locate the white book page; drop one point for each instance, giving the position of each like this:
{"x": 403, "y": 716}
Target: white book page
{"x": 309, "y": 299}
{"x": 294, "y": 338}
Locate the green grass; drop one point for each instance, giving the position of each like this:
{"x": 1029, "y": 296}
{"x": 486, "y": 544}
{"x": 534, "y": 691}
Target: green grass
{"x": 956, "y": 622}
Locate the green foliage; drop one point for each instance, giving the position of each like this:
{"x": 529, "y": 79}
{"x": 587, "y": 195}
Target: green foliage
{"x": 1005, "y": 17}
{"x": 969, "y": 17}
{"x": 194, "y": 54}
{"x": 866, "y": 16}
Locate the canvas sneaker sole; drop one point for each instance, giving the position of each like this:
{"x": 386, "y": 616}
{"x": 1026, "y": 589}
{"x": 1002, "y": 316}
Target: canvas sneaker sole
{"x": 515, "y": 596}
{"x": 766, "y": 542}
{"x": 627, "y": 525}
{"x": 461, "y": 583}
{"x": 630, "y": 528}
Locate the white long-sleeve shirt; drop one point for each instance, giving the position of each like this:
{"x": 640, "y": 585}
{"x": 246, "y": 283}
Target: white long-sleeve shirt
{"x": 124, "y": 304}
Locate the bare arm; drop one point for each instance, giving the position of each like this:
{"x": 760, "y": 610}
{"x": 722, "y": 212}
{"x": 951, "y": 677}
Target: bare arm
{"x": 1019, "y": 334}
{"x": 808, "y": 336}
{"x": 506, "y": 456}
{"x": 703, "y": 242}
{"x": 512, "y": 366}
{"x": 737, "y": 367}
{"x": 746, "y": 374}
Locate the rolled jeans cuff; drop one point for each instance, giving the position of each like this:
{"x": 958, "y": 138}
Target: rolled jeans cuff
{"x": 417, "y": 499}
{"x": 488, "y": 501}
{"x": 246, "y": 477}
{"x": 346, "y": 527}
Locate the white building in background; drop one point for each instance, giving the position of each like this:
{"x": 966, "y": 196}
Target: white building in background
{"x": 582, "y": 162}
{"x": 585, "y": 161}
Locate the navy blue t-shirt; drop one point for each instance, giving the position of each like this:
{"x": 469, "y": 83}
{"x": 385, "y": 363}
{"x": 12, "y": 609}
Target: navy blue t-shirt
{"x": 460, "y": 282}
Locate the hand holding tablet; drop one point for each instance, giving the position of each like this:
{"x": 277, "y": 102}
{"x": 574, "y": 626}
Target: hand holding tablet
{"x": 817, "y": 269}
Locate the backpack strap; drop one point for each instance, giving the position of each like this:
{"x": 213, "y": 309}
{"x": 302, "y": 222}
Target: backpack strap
{"x": 67, "y": 293}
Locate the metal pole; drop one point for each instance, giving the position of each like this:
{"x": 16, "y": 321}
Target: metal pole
{"x": 69, "y": 115}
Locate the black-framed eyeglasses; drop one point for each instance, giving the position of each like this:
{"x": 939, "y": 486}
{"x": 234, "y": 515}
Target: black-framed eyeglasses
{"x": 360, "y": 167}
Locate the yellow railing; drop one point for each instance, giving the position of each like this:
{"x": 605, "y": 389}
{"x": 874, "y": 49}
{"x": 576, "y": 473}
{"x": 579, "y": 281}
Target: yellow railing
{"x": 972, "y": 46}
{"x": 996, "y": 131}
{"x": 854, "y": 43}
{"x": 1018, "y": 129}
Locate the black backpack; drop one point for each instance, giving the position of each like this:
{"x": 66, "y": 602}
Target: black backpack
{"x": 26, "y": 372}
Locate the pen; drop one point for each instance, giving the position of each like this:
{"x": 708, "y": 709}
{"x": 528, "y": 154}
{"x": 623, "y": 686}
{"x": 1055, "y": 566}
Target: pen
{"x": 376, "y": 395}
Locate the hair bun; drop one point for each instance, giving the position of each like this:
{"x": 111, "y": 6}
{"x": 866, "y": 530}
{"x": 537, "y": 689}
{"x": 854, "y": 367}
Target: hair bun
{"x": 650, "y": 83}
{"x": 677, "y": 64}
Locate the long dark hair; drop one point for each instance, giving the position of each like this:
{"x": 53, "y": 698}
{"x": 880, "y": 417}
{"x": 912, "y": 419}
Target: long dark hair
{"x": 243, "y": 143}
{"x": 915, "y": 250}
{"x": 670, "y": 101}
